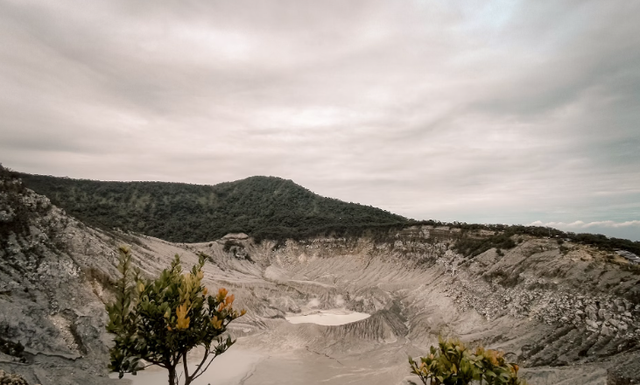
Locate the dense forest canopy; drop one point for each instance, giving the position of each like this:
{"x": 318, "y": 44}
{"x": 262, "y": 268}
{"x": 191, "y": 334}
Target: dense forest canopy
{"x": 263, "y": 207}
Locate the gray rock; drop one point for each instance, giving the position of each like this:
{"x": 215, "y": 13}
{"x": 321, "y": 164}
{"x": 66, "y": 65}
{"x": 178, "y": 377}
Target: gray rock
{"x": 607, "y": 331}
{"x": 592, "y": 325}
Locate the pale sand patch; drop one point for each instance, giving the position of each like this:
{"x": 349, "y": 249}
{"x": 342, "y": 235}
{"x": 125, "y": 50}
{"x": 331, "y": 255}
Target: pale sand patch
{"x": 231, "y": 368}
{"x": 328, "y": 317}
{"x": 304, "y": 367}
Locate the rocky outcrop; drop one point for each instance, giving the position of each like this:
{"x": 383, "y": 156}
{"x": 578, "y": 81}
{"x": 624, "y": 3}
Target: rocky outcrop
{"x": 54, "y": 276}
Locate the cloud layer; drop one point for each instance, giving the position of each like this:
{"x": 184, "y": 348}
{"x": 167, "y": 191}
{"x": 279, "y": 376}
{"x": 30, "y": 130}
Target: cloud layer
{"x": 502, "y": 111}
{"x": 627, "y": 229}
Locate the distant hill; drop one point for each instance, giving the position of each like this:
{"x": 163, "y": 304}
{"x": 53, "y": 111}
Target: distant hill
{"x": 263, "y": 207}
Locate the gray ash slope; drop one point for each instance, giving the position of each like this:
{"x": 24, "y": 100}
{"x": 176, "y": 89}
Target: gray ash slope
{"x": 569, "y": 312}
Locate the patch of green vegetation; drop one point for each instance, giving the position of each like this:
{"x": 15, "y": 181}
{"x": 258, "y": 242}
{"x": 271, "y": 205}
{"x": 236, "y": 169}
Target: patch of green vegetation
{"x": 15, "y": 215}
{"x": 160, "y": 320}
{"x": 451, "y": 362}
{"x": 471, "y": 247}
{"x": 262, "y": 207}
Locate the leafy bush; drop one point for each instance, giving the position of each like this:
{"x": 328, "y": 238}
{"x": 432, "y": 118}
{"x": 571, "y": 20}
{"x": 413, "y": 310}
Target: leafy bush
{"x": 451, "y": 363}
{"x": 161, "y": 320}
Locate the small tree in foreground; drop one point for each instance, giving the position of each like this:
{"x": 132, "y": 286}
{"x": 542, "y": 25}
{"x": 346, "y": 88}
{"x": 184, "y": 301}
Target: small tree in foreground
{"x": 452, "y": 364}
{"x": 160, "y": 321}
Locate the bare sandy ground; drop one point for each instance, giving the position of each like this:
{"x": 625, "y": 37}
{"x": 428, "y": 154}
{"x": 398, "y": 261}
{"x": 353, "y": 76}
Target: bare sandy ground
{"x": 231, "y": 368}
{"x": 274, "y": 365}
{"x": 308, "y": 368}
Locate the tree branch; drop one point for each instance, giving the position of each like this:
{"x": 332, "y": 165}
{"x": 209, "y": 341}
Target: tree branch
{"x": 186, "y": 368}
{"x": 154, "y": 362}
{"x": 199, "y": 366}
{"x": 207, "y": 367}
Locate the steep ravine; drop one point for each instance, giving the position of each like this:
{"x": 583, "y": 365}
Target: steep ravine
{"x": 567, "y": 313}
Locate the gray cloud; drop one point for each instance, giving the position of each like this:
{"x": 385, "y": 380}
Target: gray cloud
{"x": 501, "y": 111}
{"x": 628, "y": 229}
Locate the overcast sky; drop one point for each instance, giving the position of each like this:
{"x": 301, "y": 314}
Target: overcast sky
{"x": 474, "y": 111}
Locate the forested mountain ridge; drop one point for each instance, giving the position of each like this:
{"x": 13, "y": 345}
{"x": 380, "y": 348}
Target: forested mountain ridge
{"x": 263, "y": 207}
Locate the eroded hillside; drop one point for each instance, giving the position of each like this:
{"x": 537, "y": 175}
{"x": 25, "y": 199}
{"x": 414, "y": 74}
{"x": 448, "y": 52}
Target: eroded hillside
{"x": 566, "y": 311}
{"x": 572, "y": 308}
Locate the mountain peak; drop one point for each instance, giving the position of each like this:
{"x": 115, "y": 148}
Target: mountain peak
{"x": 260, "y": 206}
